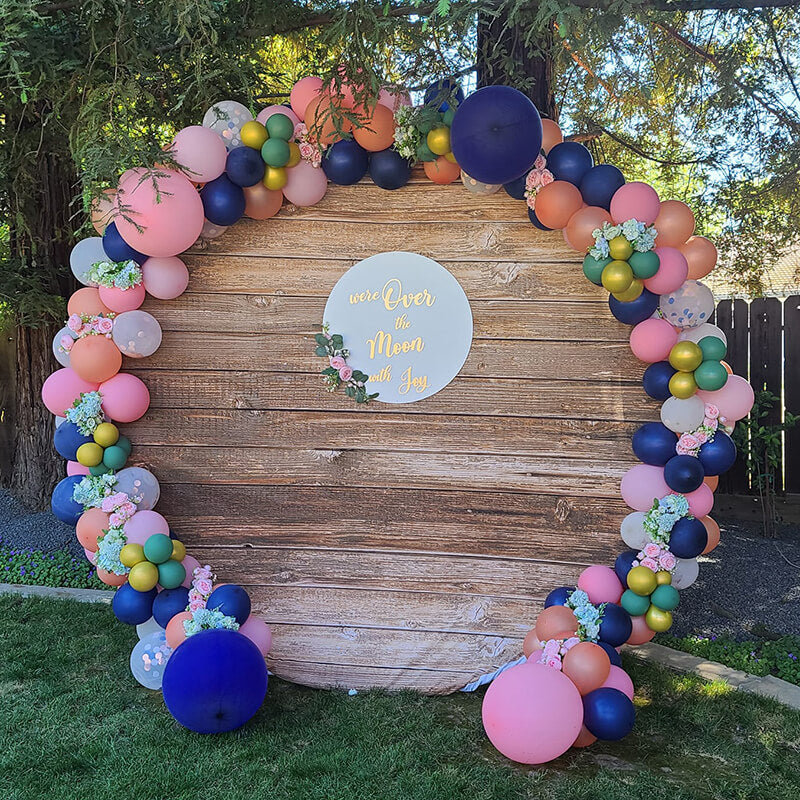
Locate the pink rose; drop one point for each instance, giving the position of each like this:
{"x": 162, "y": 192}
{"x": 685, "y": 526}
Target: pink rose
{"x": 540, "y": 162}
{"x": 194, "y": 594}
{"x": 712, "y": 412}
{"x": 196, "y": 605}
{"x": 531, "y": 181}
{"x": 651, "y": 550}
{"x": 112, "y": 501}
{"x": 74, "y": 322}
{"x": 345, "y": 373}
{"x": 650, "y": 563}
{"x": 711, "y": 423}
{"x": 127, "y": 509}
{"x": 104, "y": 325}
{"x": 667, "y": 561}
{"x": 116, "y": 520}
{"x": 204, "y": 586}
{"x": 555, "y": 663}
{"x": 300, "y": 130}
{"x": 531, "y": 200}
{"x": 337, "y": 362}
{"x": 306, "y": 150}
{"x": 547, "y": 177}
{"x": 570, "y": 643}
{"x": 67, "y": 342}
{"x": 551, "y": 648}
{"x": 689, "y": 441}
{"x": 85, "y": 329}
{"x": 701, "y": 436}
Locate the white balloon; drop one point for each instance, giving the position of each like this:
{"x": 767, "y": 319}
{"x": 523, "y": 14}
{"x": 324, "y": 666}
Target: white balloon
{"x": 62, "y": 356}
{"x": 211, "y": 231}
{"x": 144, "y": 629}
{"x": 83, "y": 255}
{"x": 227, "y": 118}
{"x": 149, "y": 658}
{"x": 140, "y": 485}
{"x": 700, "y": 332}
{"x": 60, "y": 421}
{"x": 136, "y": 333}
{"x": 681, "y": 416}
{"x": 633, "y": 533}
{"x": 685, "y": 572}
{"x": 475, "y": 186}
{"x": 689, "y": 306}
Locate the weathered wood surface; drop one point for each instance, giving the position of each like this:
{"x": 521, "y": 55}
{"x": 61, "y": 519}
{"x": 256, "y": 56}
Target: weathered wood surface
{"x": 397, "y": 546}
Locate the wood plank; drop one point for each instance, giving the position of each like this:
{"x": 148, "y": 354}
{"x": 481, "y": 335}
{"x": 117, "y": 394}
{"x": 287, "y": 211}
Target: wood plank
{"x": 791, "y": 390}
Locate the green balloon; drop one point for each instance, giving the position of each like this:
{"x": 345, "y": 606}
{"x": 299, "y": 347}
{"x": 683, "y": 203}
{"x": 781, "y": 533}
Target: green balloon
{"x": 710, "y": 376}
{"x": 424, "y": 153}
{"x": 713, "y": 348}
{"x": 634, "y": 604}
{"x": 275, "y": 152}
{"x": 593, "y": 268}
{"x": 158, "y": 549}
{"x": 665, "y": 597}
{"x": 171, "y": 574}
{"x": 114, "y": 457}
{"x": 644, "y": 265}
{"x": 125, "y": 443}
{"x": 279, "y": 126}
{"x": 100, "y": 469}
{"x": 448, "y": 117}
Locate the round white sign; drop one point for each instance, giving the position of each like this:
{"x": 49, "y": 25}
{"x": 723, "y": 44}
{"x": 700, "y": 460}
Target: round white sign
{"x": 406, "y": 322}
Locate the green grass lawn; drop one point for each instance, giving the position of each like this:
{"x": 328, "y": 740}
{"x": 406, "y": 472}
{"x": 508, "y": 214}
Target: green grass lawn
{"x": 75, "y": 725}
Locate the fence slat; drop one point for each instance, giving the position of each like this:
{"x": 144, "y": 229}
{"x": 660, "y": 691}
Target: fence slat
{"x": 791, "y": 390}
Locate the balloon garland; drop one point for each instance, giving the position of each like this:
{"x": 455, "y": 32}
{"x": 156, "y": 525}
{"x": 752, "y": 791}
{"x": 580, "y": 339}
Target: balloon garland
{"x": 199, "y": 643}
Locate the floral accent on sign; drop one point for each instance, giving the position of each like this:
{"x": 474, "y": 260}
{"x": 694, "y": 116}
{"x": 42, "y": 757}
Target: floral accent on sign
{"x": 536, "y": 180}
{"x": 690, "y": 443}
{"x": 589, "y": 616}
{"x": 86, "y": 412}
{"x": 554, "y": 650}
{"x": 115, "y": 274}
{"x": 655, "y": 556}
{"x": 661, "y": 518}
{"x": 338, "y": 372}
{"x": 642, "y": 237}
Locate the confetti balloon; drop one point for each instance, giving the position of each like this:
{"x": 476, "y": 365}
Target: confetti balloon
{"x": 141, "y": 486}
{"x": 689, "y": 306}
{"x": 227, "y": 118}
{"x": 137, "y": 334}
{"x": 149, "y": 658}
{"x": 477, "y": 187}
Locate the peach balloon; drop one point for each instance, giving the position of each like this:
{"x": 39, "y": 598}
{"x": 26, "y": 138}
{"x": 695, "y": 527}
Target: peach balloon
{"x": 619, "y": 679}
{"x": 635, "y": 200}
{"x": 165, "y": 277}
{"x": 125, "y": 397}
{"x": 87, "y": 301}
{"x": 585, "y": 738}
{"x": 303, "y": 92}
{"x": 674, "y": 223}
{"x": 61, "y": 389}
{"x": 531, "y": 643}
{"x": 551, "y": 135}
{"x": 555, "y": 620}
{"x": 119, "y": 300}
{"x": 578, "y": 232}
{"x": 321, "y": 118}
{"x": 727, "y": 366}
{"x": 103, "y": 208}
{"x": 91, "y": 525}
{"x": 258, "y": 632}
{"x": 641, "y": 631}
{"x": 556, "y": 203}
{"x": 712, "y": 529}
{"x": 587, "y": 665}
{"x": 95, "y": 358}
{"x": 260, "y": 202}
{"x": 442, "y": 171}
{"x": 376, "y": 129}
{"x": 700, "y": 255}
{"x": 175, "y": 632}
{"x": 712, "y": 481}
{"x": 111, "y": 578}
{"x": 652, "y": 340}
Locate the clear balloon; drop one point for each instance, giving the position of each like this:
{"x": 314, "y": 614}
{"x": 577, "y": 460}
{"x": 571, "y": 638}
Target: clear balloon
{"x": 685, "y": 572}
{"x": 476, "y": 187}
{"x": 140, "y": 485}
{"x": 211, "y": 231}
{"x": 688, "y": 307}
{"x": 144, "y": 629}
{"x": 682, "y": 416}
{"x": 84, "y": 254}
{"x": 227, "y": 118}
{"x": 137, "y": 334}
{"x": 149, "y": 658}
{"x": 700, "y": 332}
{"x": 64, "y": 337}
{"x": 633, "y": 533}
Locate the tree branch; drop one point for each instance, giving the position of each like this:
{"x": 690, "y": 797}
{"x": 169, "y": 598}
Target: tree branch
{"x": 774, "y": 36}
{"x": 636, "y": 149}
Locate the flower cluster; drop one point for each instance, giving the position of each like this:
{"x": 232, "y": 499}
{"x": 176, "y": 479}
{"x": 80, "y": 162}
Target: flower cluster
{"x": 90, "y": 325}
{"x": 204, "y": 619}
{"x": 589, "y": 616}
{"x": 655, "y": 557}
{"x": 93, "y": 489}
{"x": 309, "y": 151}
{"x": 536, "y": 179}
{"x": 119, "y": 507}
{"x": 115, "y": 274}
{"x": 338, "y": 371}
{"x": 690, "y": 443}
{"x": 407, "y": 136}
{"x": 661, "y": 518}
{"x": 202, "y": 586}
{"x": 554, "y": 650}
{"x": 109, "y": 547}
{"x": 641, "y": 236}
{"x": 86, "y": 412}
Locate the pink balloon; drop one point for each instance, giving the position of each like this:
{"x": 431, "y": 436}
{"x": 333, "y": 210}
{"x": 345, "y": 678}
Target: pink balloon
{"x": 672, "y": 271}
{"x": 619, "y": 679}
{"x": 62, "y": 389}
{"x": 267, "y": 112}
{"x": 258, "y": 632}
{"x": 601, "y": 584}
{"x": 144, "y": 524}
{"x": 394, "y": 100}
{"x": 303, "y": 92}
{"x": 201, "y": 152}
{"x": 701, "y": 501}
{"x": 532, "y": 713}
{"x": 165, "y": 278}
{"x": 169, "y": 215}
{"x": 635, "y": 200}
{"x": 74, "y": 468}
{"x": 120, "y": 300}
{"x": 125, "y": 397}
{"x": 643, "y": 484}
{"x": 190, "y": 563}
{"x": 305, "y": 185}
{"x": 91, "y": 557}
{"x": 652, "y": 339}
{"x": 734, "y": 400}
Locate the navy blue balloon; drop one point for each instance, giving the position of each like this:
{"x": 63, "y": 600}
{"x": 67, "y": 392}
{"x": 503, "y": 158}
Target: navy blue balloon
{"x": 558, "y": 597}
{"x": 656, "y": 380}
{"x": 616, "y": 626}
{"x": 132, "y": 607}
{"x": 223, "y": 201}
{"x": 496, "y": 134}
{"x": 607, "y": 713}
{"x": 635, "y": 311}
{"x": 623, "y": 564}
{"x": 613, "y": 656}
{"x": 215, "y": 681}
{"x": 516, "y": 188}
{"x": 244, "y": 166}
{"x": 688, "y": 538}
{"x": 117, "y": 249}
{"x": 168, "y": 603}
{"x": 346, "y": 162}
{"x": 62, "y": 504}
{"x": 683, "y": 473}
{"x": 67, "y": 439}
{"x": 441, "y": 91}
{"x": 654, "y": 443}
{"x": 389, "y": 170}
{"x": 569, "y": 161}
{"x": 717, "y": 456}
{"x": 599, "y": 184}
{"x": 536, "y": 222}
{"x": 231, "y": 600}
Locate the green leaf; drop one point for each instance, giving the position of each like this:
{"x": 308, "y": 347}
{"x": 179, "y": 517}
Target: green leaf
{"x": 321, "y": 351}
{"x": 337, "y": 341}
{"x": 330, "y": 371}
{"x": 349, "y": 391}
{"x": 321, "y": 339}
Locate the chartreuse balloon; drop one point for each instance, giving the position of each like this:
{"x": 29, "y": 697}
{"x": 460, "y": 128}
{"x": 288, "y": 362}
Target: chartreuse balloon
{"x": 131, "y": 554}
{"x": 642, "y": 581}
{"x": 253, "y": 134}
{"x": 143, "y": 576}
{"x": 657, "y": 619}
{"x": 178, "y": 550}
{"x": 686, "y": 356}
{"x": 619, "y": 248}
{"x": 106, "y": 434}
{"x": 682, "y": 385}
{"x": 89, "y": 454}
{"x": 438, "y": 140}
{"x": 617, "y": 276}
{"x": 631, "y": 293}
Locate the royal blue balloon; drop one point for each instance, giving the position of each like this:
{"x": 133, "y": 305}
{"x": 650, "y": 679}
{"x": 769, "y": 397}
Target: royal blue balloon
{"x": 607, "y": 713}
{"x": 654, "y": 443}
{"x": 683, "y": 473}
{"x": 223, "y": 201}
{"x": 623, "y": 564}
{"x": 67, "y": 439}
{"x": 132, "y": 607}
{"x": 346, "y": 162}
{"x": 536, "y": 222}
{"x": 441, "y": 91}
{"x": 389, "y": 170}
{"x": 231, "y": 600}
{"x": 244, "y": 166}
{"x": 616, "y": 626}
{"x": 635, "y": 311}
{"x": 656, "y": 380}
{"x": 613, "y": 656}
{"x": 215, "y": 681}
{"x": 558, "y": 597}
{"x": 717, "y": 456}
{"x": 516, "y": 188}
{"x": 117, "y": 249}
{"x": 496, "y": 134}
{"x": 168, "y": 603}
{"x": 599, "y": 184}
{"x": 62, "y": 504}
{"x": 569, "y": 161}
{"x": 688, "y": 538}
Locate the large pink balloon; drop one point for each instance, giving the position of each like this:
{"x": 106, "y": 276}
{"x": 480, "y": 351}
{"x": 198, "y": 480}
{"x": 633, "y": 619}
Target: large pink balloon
{"x": 125, "y": 397}
{"x": 62, "y": 389}
{"x": 201, "y": 152}
{"x": 120, "y": 300}
{"x": 144, "y": 524}
{"x": 701, "y": 501}
{"x": 258, "y": 632}
{"x": 635, "y": 201}
{"x": 673, "y": 270}
{"x": 303, "y": 92}
{"x": 305, "y": 185}
{"x": 165, "y": 278}
{"x": 601, "y": 584}
{"x": 619, "y": 679}
{"x": 734, "y": 400}
{"x": 652, "y": 339}
{"x": 74, "y": 468}
{"x": 532, "y": 713}
{"x": 190, "y": 563}
{"x": 643, "y": 484}
{"x": 168, "y": 213}
{"x": 267, "y": 112}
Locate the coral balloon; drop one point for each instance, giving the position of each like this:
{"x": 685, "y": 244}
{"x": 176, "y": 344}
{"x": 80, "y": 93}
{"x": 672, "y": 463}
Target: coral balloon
{"x": 95, "y": 358}
{"x": 63, "y": 388}
{"x": 635, "y": 200}
{"x": 321, "y": 118}
{"x": 303, "y": 92}
{"x": 111, "y": 578}
{"x": 619, "y": 679}
{"x": 376, "y": 129}
{"x": 556, "y": 203}
{"x": 201, "y": 153}
{"x": 734, "y": 400}
{"x": 553, "y": 621}
{"x": 258, "y": 632}
{"x": 125, "y": 397}
{"x": 103, "y": 208}
{"x": 165, "y": 277}
{"x": 652, "y": 340}
{"x": 674, "y": 223}
{"x": 531, "y": 643}
{"x": 700, "y": 255}
{"x": 551, "y": 135}
{"x": 672, "y": 271}
{"x": 712, "y": 529}
{"x": 578, "y": 232}
{"x": 91, "y": 525}
{"x": 260, "y": 202}
{"x": 119, "y": 300}
{"x": 175, "y": 632}
{"x": 641, "y": 631}
{"x": 585, "y": 738}
{"x": 712, "y": 481}
{"x": 601, "y": 584}
{"x": 442, "y": 171}
{"x": 587, "y": 665}
{"x": 144, "y": 524}
{"x": 305, "y": 185}
{"x": 643, "y": 484}
{"x": 87, "y": 301}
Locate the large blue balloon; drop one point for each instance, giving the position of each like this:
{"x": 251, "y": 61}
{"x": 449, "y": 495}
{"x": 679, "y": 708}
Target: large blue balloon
{"x": 635, "y": 311}
{"x": 623, "y": 564}
{"x": 62, "y": 504}
{"x": 683, "y": 474}
{"x": 67, "y": 439}
{"x": 607, "y": 713}
{"x": 656, "y": 380}
{"x": 569, "y": 161}
{"x": 345, "y": 162}
{"x": 117, "y": 249}
{"x": 599, "y": 184}
{"x": 516, "y": 188}
{"x": 717, "y": 456}
{"x": 132, "y": 607}
{"x": 615, "y": 626}
{"x": 558, "y": 597}
{"x": 223, "y": 201}
{"x": 215, "y": 681}
{"x": 443, "y": 90}
{"x": 613, "y": 656}
{"x": 244, "y": 166}
{"x": 231, "y": 600}
{"x": 536, "y": 222}
{"x": 168, "y": 603}
{"x": 654, "y": 444}
{"x": 496, "y": 134}
{"x": 389, "y": 170}
{"x": 688, "y": 538}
